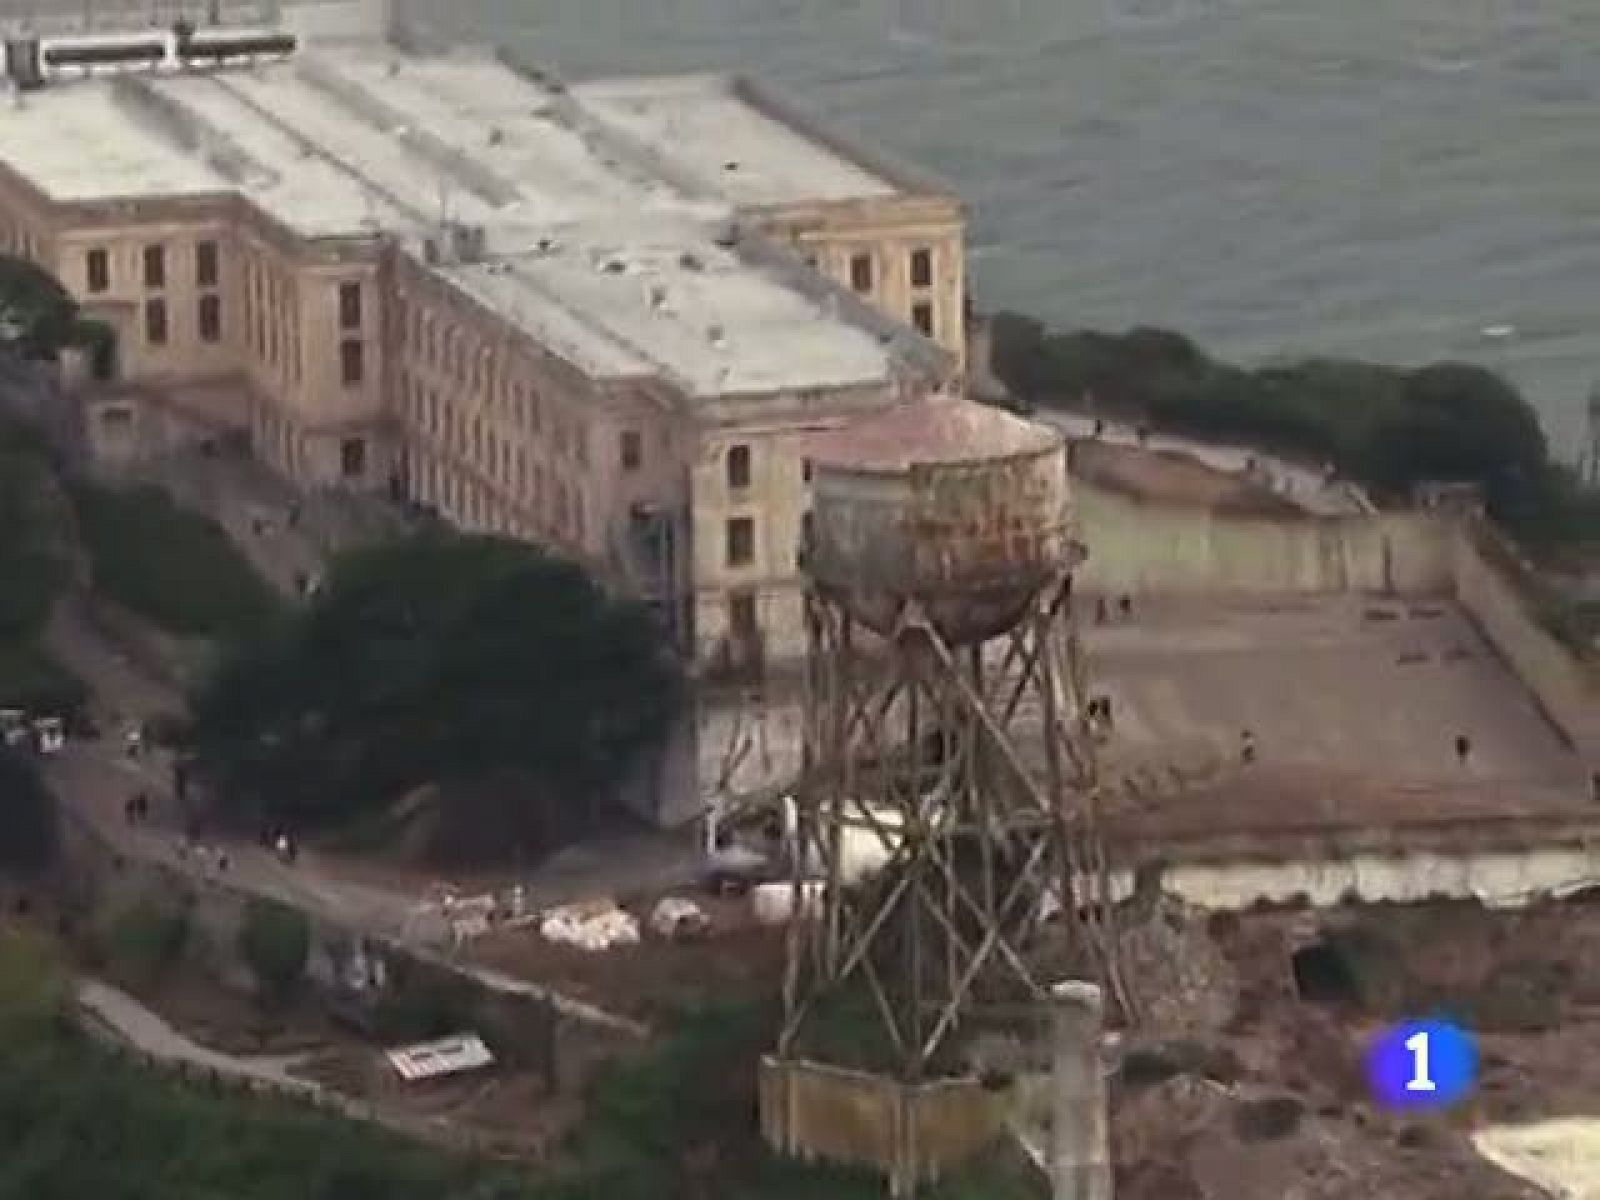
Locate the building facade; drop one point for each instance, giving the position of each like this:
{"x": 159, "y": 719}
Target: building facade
{"x": 600, "y": 317}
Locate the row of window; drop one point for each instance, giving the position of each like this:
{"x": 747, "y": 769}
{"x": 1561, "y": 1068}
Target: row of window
{"x": 208, "y": 319}
{"x": 863, "y": 272}
{"x": 207, "y": 268}
{"x": 504, "y": 459}
{"x": 453, "y": 355}
{"x": 471, "y": 503}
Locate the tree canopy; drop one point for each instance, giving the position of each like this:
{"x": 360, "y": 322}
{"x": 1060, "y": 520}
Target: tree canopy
{"x": 30, "y": 827}
{"x": 1388, "y": 427}
{"x": 435, "y": 658}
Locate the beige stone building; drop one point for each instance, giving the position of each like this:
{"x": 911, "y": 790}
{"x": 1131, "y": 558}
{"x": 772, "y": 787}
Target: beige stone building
{"x": 598, "y": 316}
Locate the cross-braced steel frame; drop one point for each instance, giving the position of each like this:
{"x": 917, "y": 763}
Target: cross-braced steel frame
{"x": 971, "y": 769}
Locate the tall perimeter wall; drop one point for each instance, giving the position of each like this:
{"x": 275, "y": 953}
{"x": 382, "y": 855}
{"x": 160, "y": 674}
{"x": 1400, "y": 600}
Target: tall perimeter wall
{"x": 1142, "y": 547}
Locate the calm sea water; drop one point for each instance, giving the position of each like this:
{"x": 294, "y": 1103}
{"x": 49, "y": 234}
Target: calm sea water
{"x": 1384, "y": 178}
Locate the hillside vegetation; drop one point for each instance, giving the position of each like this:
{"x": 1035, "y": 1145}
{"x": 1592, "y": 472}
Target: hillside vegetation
{"x": 173, "y": 567}
{"x": 77, "y": 1121}
{"x": 35, "y": 563}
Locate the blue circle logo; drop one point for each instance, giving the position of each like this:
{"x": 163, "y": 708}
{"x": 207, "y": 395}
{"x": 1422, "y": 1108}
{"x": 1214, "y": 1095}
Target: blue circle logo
{"x": 1422, "y": 1064}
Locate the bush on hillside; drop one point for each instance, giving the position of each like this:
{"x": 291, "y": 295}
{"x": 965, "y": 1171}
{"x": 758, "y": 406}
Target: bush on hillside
{"x": 1387, "y": 427}
{"x": 148, "y": 939}
{"x": 275, "y": 942}
{"x": 436, "y": 658}
{"x": 173, "y": 567}
{"x": 30, "y": 822}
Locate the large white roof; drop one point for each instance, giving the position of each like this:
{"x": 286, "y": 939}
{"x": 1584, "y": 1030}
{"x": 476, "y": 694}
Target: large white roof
{"x": 703, "y": 124}
{"x": 368, "y": 141}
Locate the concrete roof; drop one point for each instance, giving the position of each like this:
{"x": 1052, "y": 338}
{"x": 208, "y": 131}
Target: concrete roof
{"x": 369, "y": 140}
{"x": 703, "y": 124}
{"x": 665, "y": 297}
{"x": 78, "y": 143}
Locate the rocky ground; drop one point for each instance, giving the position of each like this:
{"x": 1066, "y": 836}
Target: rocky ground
{"x": 1250, "y": 1082}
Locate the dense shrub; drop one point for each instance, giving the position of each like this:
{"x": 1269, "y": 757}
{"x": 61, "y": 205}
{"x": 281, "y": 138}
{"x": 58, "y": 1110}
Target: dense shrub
{"x": 148, "y": 938}
{"x": 30, "y": 832}
{"x": 275, "y": 941}
{"x": 173, "y": 567}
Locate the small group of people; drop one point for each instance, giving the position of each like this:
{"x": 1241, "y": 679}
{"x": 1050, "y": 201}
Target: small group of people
{"x": 136, "y": 808}
{"x": 1098, "y": 713}
{"x": 1102, "y": 608}
{"x": 192, "y": 848}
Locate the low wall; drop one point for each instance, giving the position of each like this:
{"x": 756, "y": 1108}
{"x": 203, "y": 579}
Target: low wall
{"x": 1139, "y": 547}
{"x": 1495, "y": 589}
{"x": 912, "y": 1133}
{"x": 1499, "y": 879}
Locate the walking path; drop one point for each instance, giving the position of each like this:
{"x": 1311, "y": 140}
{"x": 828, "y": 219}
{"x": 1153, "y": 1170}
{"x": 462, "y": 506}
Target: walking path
{"x": 133, "y": 1023}
{"x": 1297, "y": 483}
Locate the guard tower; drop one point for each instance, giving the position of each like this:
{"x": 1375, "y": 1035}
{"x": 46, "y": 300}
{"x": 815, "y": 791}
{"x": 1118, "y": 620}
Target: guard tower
{"x": 946, "y": 861}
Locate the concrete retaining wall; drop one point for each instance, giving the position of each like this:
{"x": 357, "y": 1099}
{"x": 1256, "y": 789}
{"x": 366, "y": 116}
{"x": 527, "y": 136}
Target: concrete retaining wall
{"x": 1144, "y": 548}
{"x": 1492, "y": 588}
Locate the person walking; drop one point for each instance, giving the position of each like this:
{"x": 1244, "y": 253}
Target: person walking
{"x": 1463, "y": 748}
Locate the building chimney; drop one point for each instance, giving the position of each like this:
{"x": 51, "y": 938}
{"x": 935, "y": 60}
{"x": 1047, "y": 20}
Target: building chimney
{"x": 1080, "y": 1145}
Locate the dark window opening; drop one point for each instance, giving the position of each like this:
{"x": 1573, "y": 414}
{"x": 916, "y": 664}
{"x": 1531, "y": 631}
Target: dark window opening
{"x": 352, "y": 457}
{"x": 155, "y": 322}
{"x": 210, "y": 317}
{"x": 739, "y": 466}
{"x": 922, "y": 318}
{"x": 861, "y": 272}
{"x": 205, "y": 264}
{"x": 741, "y": 541}
{"x": 99, "y": 270}
{"x": 632, "y": 450}
{"x": 155, "y": 267}
{"x": 349, "y": 306}
{"x": 352, "y": 363}
{"x": 922, "y": 268}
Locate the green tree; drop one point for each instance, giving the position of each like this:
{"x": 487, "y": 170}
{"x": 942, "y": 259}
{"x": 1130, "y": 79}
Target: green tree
{"x": 38, "y": 315}
{"x": 436, "y": 658}
{"x": 30, "y": 832}
{"x": 275, "y": 941}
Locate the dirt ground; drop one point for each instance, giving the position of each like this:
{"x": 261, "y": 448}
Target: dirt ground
{"x": 655, "y": 979}
{"x": 1173, "y": 478}
{"x": 1272, "y": 1103}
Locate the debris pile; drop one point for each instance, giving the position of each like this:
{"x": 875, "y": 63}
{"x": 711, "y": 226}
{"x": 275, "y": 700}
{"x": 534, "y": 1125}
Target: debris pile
{"x": 595, "y": 926}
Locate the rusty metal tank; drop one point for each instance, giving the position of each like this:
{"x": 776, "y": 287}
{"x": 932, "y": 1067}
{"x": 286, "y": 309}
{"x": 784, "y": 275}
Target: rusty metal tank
{"x": 960, "y": 507}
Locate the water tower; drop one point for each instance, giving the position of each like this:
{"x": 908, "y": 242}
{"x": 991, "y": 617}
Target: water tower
{"x": 945, "y": 806}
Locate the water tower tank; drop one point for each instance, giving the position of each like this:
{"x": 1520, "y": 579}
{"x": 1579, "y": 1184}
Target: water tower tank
{"x": 961, "y": 507}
